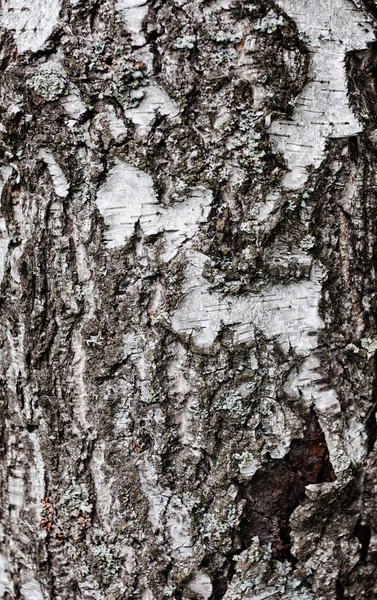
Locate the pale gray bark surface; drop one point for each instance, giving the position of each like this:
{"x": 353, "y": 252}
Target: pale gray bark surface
{"x": 188, "y": 300}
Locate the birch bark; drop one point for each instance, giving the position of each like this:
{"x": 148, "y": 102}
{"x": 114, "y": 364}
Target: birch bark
{"x": 188, "y": 300}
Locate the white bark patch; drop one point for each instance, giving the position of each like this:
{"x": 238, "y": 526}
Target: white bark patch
{"x": 156, "y": 495}
{"x": 78, "y": 343}
{"x": 356, "y": 440}
{"x": 163, "y": 506}
{"x": 147, "y": 595}
{"x": 72, "y": 103}
{"x": 4, "y": 242}
{"x": 322, "y": 109}
{"x": 30, "y": 21}
{"x": 178, "y": 383}
{"x": 78, "y": 378}
{"x": 16, "y": 491}
{"x": 155, "y": 99}
{"x": 59, "y": 180}
{"x": 128, "y": 196}
{"x": 286, "y": 312}
{"x": 117, "y": 127}
{"x": 201, "y": 585}
{"x": 31, "y": 590}
{"x": 6, "y": 584}
{"x": 185, "y": 424}
{"x": 133, "y": 13}
{"x": 179, "y": 522}
{"x": 307, "y": 383}
{"x": 105, "y": 500}
{"x": 5, "y": 173}
{"x": 343, "y": 442}
{"x": 16, "y": 487}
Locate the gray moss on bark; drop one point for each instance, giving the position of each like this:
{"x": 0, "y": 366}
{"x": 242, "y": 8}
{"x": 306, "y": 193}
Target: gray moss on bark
{"x": 188, "y": 300}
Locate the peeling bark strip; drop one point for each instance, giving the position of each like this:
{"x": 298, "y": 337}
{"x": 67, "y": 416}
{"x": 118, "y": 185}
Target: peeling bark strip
{"x": 188, "y": 300}
{"x": 322, "y": 109}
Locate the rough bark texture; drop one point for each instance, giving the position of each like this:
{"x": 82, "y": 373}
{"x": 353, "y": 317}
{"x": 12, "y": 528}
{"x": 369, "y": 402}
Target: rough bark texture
{"x": 188, "y": 299}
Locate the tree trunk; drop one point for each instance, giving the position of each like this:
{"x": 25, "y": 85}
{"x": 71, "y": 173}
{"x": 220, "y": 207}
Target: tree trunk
{"x": 188, "y": 300}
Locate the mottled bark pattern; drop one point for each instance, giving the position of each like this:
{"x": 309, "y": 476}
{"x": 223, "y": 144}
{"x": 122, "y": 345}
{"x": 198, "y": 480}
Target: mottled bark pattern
{"x": 188, "y": 299}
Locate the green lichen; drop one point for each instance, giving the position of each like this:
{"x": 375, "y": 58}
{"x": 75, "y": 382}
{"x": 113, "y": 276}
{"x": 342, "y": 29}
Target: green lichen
{"x": 129, "y": 81}
{"x": 258, "y": 575}
{"x": 230, "y": 401}
{"x": 271, "y": 22}
{"x": 369, "y": 344}
{"x": 95, "y": 340}
{"x": 308, "y": 242}
{"x": 246, "y": 462}
{"x": 50, "y": 83}
{"x": 185, "y": 43}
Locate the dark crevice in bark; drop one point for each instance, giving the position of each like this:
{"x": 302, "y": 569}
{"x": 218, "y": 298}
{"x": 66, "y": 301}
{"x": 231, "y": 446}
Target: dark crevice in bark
{"x": 361, "y": 66}
{"x": 371, "y": 423}
{"x": 363, "y": 534}
{"x": 272, "y": 496}
{"x": 371, "y": 429}
{"x": 371, "y": 7}
{"x": 48, "y": 553}
{"x": 339, "y": 591}
{"x": 113, "y": 370}
{"x": 221, "y": 582}
{"x": 279, "y": 488}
